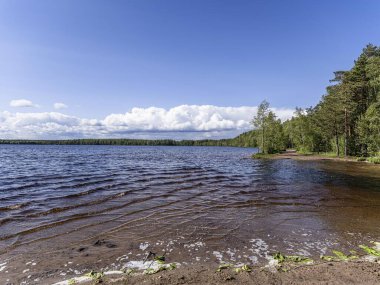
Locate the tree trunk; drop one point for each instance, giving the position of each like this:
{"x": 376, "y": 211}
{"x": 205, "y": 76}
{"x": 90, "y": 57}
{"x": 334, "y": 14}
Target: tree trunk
{"x": 345, "y": 132}
{"x": 337, "y": 143}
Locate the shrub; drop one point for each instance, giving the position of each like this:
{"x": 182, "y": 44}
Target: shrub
{"x": 375, "y": 159}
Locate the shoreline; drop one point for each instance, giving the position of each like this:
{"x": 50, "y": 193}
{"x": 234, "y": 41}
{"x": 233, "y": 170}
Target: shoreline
{"x": 338, "y": 268}
{"x": 292, "y": 154}
{"x": 332, "y": 272}
{"x": 274, "y": 268}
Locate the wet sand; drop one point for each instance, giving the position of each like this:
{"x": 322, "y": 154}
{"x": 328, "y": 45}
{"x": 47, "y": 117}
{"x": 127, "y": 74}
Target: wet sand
{"x": 341, "y": 273}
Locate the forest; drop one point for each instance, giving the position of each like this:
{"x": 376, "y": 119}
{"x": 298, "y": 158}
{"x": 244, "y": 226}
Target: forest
{"x": 345, "y": 122}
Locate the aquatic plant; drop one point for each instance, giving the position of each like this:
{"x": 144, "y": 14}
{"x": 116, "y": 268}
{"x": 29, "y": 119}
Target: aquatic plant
{"x": 163, "y": 267}
{"x": 223, "y": 266}
{"x": 370, "y": 250}
{"x": 327, "y": 257}
{"x": 160, "y": 259}
{"x": 290, "y": 258}
{"x": 245, "y": 268}
{"x": 128, "y": 271}
{"x": 279, "y": 257}
{"x": 154, "y": 271}
{"x": 150, "y": 271}
{"x": 95, "y": 275}
{"x": 340, "y": 256}
{"x": 283, "y": 260}
{"x": 297, "y": 258}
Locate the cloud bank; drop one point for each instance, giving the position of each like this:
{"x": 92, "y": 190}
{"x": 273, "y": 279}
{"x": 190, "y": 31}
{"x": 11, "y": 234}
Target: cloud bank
{"x": 21, "y": 103}
{"x": 181, "y": 122}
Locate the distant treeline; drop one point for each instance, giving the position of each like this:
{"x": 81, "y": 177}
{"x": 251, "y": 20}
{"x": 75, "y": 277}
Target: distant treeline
{"x": 244, "y": 140}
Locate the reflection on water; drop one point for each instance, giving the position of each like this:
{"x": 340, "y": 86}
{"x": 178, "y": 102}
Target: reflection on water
{"x": 198, "y": 204}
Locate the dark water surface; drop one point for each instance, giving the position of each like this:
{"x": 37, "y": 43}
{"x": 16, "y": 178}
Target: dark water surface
{"x": 65, "y": 209}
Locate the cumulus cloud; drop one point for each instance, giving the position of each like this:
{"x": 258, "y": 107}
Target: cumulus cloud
{"x": 185, "y": 121}
{"x": 59, "y": 106}
{"x": 22, "y": 103}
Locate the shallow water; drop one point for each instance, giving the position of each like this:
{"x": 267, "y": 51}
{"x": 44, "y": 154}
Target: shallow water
{"x": 67, "y": 209}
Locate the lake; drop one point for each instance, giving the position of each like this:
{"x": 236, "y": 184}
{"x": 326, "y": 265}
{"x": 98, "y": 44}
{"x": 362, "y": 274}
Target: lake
{"x": 65, "y": 210}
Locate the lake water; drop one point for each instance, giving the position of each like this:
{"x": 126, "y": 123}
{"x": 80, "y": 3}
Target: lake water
{"x": 67, "y": 209}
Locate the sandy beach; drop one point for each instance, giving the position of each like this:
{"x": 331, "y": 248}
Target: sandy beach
{"x": 324, "y": 273}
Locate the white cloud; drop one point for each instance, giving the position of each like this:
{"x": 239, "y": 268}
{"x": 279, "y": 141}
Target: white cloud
{"x": 59, "y": 106}
{"x": 22, "y": 103}
{"x": 185, "y": 121}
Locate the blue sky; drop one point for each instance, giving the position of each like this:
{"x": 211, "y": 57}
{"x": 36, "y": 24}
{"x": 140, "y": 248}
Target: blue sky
{"x": 107, "y": 57}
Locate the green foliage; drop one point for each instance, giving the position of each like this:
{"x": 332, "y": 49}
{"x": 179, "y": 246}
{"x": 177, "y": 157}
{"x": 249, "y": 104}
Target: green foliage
{"x": 368, "y": 130}
{"x": 262, "y": 156}
{"x": 342, "y": 256}
{"x": 163, "y": 267}
{"x": 160, "y": 259}
{"x": 370, "y": 250}
{"x": 375, "y": 160}
{"x": 327, "y": 257}
{"x": 150, "y": 271}
{"x": 129, "y": 271}
{"x": 281, "y": 258}
{"x": 270, "y": 134}
{"x": 95, "y": 275}
{"x": 259, "y": 121}
{"x": 223, "y": 266}
{"x": 297, "y": 258}
{"x": 346, "y": 121}
{"x": 245, "y": 268}
{"x": 339, "y": 256}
